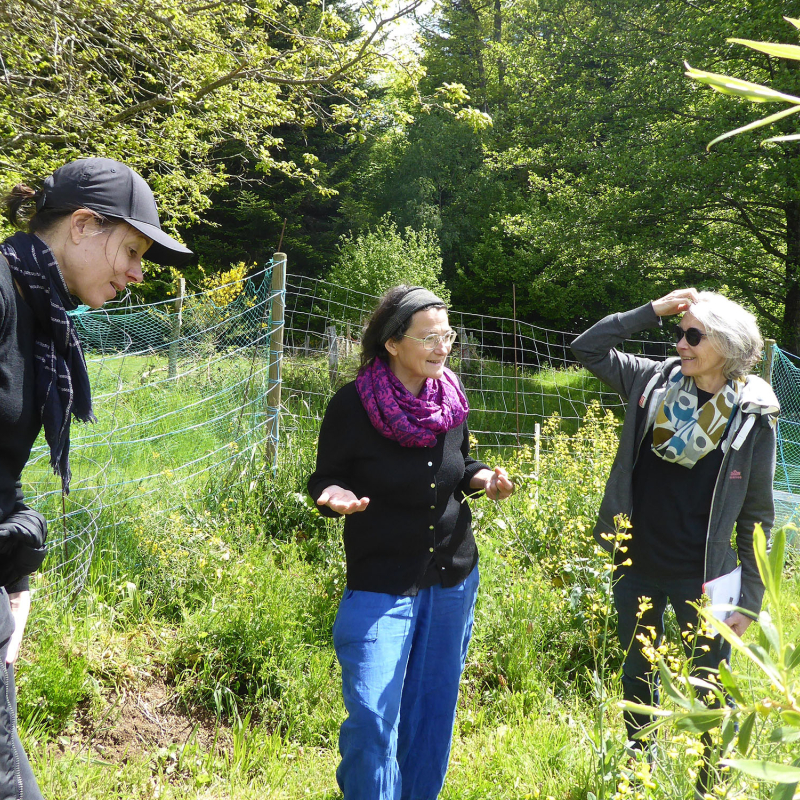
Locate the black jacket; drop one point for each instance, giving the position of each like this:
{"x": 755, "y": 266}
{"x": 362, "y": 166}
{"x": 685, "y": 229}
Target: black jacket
{"x": 19, "y": 426}
{"x": 417, "y": 518}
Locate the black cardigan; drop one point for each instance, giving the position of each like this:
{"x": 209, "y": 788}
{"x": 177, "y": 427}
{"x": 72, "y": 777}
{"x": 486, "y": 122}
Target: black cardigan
{"x": 415, "y": 521}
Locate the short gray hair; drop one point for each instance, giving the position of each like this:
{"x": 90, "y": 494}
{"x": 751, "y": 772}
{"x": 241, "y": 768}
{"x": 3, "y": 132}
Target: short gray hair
{"x": 732, "y": 331}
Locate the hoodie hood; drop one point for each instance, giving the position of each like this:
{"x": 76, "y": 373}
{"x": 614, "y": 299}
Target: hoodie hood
{"x": 757, "y": 397}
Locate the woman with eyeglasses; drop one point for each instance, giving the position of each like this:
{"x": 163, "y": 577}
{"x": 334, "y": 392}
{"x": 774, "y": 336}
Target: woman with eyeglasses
{"x": 393, "y": 458}
{"x": 694, "y": 468}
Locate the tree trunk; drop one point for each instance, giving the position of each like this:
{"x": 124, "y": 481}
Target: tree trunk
{"x": 791, "y": 311}
{"x": 501, "y": 64}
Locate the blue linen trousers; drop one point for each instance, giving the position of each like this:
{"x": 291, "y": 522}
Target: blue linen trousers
{"x": 402, "y": 659}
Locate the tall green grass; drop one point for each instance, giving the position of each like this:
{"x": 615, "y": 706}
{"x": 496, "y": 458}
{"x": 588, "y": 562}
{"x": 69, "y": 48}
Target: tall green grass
{"x": 229, "y": 598}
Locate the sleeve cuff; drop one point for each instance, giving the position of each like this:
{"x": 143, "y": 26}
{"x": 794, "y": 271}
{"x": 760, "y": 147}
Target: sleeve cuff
{"x": 22, "y": 585}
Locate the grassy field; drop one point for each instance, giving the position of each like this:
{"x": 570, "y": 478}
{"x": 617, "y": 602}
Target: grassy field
{"x": 198, "y": 663}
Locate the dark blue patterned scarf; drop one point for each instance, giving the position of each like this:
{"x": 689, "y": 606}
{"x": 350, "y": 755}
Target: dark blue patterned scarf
{"x": 62, "y": 383}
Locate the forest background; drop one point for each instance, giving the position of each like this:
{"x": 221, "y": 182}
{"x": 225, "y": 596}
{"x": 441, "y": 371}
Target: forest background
{"x": 553, "y": 144}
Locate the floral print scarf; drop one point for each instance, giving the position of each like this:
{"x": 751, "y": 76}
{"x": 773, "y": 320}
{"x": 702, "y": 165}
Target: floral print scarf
{"x": 683, "y": 432}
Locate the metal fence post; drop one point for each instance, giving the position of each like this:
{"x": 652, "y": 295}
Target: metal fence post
{"x": 277, "y": 310}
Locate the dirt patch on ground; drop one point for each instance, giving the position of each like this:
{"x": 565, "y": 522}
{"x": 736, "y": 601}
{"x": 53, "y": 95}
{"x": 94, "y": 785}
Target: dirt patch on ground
{"x": 140, "y": 720}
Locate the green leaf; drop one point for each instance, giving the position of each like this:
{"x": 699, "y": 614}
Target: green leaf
{"x": 670, "y": 688}
{"x": 785, "y": 791}
{"x": 641, "y": 708}
{"x": 762, "y": 559}
{"x": 770, "y": 632}
{"x": 755, "y": 92}
{"x": 753, "y": 125}
{"x": 728, "y": 680}
{"x": 763, "y": 655}
{"x": 784, "y": 735}
{"x": 745, "y": 732}
{"x": 703, "y": 687}
{"x": 791, "y": 51}
{"x": 764, "y": 770}
{"x": 776, "y": 555}
{"x": 700, "y": 721}
{"x": 791, "y": 656}
{"x": 792, "y": 137}
{"x": 758, "y": 655}
{"x": 791, "y": 718}
{"x": 728, "y": 733}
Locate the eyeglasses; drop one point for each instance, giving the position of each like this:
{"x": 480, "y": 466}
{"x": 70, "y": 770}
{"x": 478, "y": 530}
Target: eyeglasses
{"x": 433, "y": 340}
{"x": 693, "y": 335}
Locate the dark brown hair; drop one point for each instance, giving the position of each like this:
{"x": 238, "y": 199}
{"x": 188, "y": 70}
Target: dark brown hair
{"x": 20, "y": 207}
{"x": 371, "y": 345}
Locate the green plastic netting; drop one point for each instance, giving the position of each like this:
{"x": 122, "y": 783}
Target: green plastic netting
{"x": 180, "y": 398}
{"x": 785, "y": 380}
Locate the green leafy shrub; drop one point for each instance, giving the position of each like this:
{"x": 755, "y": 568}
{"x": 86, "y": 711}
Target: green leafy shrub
{"x": 754, "y": 737}
{"x": 262, "y": 642}
{"x": 374, "y": 261}
{"x": 551, "y": 531}
{"x": 51, "y": 681}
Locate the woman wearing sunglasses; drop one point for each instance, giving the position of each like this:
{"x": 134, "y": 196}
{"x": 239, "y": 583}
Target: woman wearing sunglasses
{"x": 393, "y": 458}
{"x": 694, "y": 468}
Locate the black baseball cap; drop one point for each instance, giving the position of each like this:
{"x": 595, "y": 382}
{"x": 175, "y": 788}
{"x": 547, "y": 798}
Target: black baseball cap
{"x": 113, "y": 189}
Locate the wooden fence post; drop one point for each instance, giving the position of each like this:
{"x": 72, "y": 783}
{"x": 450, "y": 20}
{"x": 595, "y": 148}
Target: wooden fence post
{"x": 333, "y": 354}
{"x": 177, "y": 323}
{"x": 278, "y": 307}
{"x": 769, "y": 357}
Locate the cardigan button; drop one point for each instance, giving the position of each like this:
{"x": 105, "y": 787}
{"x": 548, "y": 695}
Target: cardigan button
{"x": 430, "y": 463}
{"x": 430, "y": 526}
{"x": 433, "y": 508}
{"x": 430, "y": 549}
{"x": 433, "y": 486}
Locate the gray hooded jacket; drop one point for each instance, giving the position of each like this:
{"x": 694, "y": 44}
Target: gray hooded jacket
{"x": 743, "y": 491}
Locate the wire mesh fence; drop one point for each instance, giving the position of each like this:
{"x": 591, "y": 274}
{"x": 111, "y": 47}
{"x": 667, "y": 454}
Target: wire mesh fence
{"x": 785, "y": 379}
{"x": 179, "y": 391}
{"x": 184, "y": 392}
{"x": 516, "y": 374}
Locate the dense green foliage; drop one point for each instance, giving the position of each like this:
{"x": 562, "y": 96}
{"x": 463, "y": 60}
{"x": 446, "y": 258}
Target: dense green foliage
{"x": 198, "y": 97}
{"x": 377, "y": 259}
{"x": 223, "y": 612}
{"x": 592, "y": 190}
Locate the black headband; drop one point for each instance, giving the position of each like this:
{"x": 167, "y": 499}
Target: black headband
{"x": 413, "y": 300}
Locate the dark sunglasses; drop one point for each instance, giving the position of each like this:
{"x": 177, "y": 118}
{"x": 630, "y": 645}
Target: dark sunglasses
{"x": 693, "y": 335}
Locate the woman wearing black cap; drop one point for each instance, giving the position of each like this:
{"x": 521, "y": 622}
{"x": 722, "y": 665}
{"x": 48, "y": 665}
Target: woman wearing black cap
{"x": 393, "y": 458}
{"x": 93, "y": 221}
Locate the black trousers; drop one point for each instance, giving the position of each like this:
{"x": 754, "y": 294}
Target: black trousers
{"x": 639, "y": 680}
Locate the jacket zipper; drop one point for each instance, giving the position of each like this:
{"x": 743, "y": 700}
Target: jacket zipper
{"x": 722, "y": 470}
{"x": 15, "y": 752}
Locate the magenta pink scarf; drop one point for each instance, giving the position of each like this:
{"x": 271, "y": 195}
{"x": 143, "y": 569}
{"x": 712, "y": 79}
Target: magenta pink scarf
{"x": 398, "y": 415}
